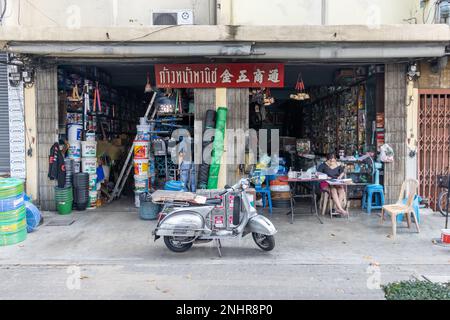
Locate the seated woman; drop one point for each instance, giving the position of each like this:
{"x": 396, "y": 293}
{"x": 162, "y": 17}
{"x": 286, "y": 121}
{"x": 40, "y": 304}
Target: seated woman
{"x": 334, "y": 170}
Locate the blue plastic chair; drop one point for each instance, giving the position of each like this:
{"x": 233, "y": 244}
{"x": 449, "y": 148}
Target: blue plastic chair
{"x": 373, "y": 197}
{"x": 263, "y": 190}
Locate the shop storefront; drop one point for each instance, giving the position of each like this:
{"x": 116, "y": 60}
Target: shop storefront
{"x": 315, "y": 110}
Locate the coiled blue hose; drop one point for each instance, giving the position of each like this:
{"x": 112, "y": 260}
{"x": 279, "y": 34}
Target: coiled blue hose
{"x": 33, "y": 216}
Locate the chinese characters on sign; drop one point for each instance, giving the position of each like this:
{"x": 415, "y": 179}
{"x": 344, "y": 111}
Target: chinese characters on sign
{"x": 232, "y": 75}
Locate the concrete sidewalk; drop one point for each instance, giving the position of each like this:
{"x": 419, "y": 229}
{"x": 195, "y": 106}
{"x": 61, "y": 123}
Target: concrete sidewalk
{"x": 118, "y": 259}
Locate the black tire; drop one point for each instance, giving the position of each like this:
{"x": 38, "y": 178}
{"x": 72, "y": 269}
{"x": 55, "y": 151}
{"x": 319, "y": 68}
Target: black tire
{"x": 442, "y": 203}
{"x": 266, "y": 243}
{"x": 178, "y": 248}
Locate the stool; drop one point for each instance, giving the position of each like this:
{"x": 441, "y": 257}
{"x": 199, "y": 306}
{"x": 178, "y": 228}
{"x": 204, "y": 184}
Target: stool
{"x": 326, "y": 202}
{"x": 373, "y": 197}
{"x": 264, "y": 191}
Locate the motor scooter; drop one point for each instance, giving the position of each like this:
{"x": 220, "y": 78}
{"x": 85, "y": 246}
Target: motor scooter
{"x": 183, "y": 223}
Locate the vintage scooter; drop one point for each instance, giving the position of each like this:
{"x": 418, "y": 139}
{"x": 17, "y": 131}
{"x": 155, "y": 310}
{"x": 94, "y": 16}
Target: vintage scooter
{"x": 184, "y": 222}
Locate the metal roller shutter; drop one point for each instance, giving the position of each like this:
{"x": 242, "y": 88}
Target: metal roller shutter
{"x": 4, "y": 121}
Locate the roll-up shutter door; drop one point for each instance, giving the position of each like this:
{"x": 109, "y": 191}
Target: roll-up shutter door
{"x": 4, "y": 121}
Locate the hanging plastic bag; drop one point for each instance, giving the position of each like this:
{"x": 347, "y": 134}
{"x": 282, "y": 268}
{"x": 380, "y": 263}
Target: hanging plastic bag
{"x": 386, "y": 153}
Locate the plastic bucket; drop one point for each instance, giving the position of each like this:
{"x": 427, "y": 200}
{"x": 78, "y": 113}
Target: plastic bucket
{"x": 149, "y": 210}
{"x": 76, "y": 165}
{"x": 89, "y": 149}
{"x": 89, "y": 165}
{"x": 74, "y": 132}
{"x": 74, "y": 151}
{"x": 141, "y": 183}
{"x": 137, "y": 201}
{"x": 141, "y": 150}
{"x": 64, "y": 208}
{"x": 90, "y": 136}
{"x": 143, "y": 133}
{"x": 445, "y": 236}
{"x": 140, "y": 167}
{"x": 92, "y": 182}
{"x": 93, "y": 199}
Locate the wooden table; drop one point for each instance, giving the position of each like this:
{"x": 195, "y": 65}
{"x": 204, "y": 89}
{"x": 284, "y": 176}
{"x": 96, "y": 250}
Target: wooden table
{"x": 294, "y": 195}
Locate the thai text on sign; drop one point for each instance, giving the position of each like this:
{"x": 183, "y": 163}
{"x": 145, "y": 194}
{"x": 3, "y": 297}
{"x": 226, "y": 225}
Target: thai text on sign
{"x": 227, "y": 75}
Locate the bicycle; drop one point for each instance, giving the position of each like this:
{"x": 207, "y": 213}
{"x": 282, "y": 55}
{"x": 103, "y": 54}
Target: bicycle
{"x": 442, "y": 181}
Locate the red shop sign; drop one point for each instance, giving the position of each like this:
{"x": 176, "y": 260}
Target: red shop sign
{"x": 221, "y": 75}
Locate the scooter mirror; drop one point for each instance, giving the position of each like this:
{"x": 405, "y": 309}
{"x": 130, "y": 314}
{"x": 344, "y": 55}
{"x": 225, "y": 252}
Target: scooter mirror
{"x": 227, "y": 187}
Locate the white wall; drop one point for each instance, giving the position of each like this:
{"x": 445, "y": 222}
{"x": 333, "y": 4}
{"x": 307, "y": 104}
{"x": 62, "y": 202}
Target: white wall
{"x": 123, "y": 13}
{"x": 99, "y": 12}
{"x": 309, "y": 12}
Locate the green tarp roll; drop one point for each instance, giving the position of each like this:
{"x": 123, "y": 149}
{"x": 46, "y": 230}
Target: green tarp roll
{"x": 218, "y": 147}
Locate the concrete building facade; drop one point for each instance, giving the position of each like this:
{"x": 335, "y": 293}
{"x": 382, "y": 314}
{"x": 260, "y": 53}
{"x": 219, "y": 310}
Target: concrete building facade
{"x": 394, "y": 33}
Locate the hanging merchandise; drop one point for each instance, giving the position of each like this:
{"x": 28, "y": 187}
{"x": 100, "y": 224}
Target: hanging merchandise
{"x": 97, "y": 102}
{"x": 268, "y": 99}
{"x": 56, "y": 168}
{"x": 301, "y": 90}
{"x": 386, "y": 153}
{"x": 75, "y": 95}
{"x": 148, "y": 86}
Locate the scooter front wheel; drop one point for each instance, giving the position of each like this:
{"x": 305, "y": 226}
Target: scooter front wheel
{"x": 177, "y": 244}
{"x": 266, "y": 243}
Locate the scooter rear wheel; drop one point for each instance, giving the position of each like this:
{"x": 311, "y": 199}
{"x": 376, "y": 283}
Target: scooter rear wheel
{"x": 177, "y": 244}
{"x": 266, "y": 243}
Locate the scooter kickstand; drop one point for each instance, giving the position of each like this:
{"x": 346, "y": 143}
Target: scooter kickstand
{"x": 219, "y": 246}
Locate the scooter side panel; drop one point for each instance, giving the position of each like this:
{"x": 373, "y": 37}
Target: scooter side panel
{"x": 181, "y": 223}
{"x": 260, "y": 224}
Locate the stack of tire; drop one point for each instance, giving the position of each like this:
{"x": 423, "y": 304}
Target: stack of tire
{"x": 13, "y": 222}
{"x": 281, "y": 194}
{"x": 203, "y": 173}
{"x": 81, "y": 191}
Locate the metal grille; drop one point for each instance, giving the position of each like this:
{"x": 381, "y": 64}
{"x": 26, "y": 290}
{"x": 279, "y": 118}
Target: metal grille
{"x": 434, "y": 141}
{"x": 4, "y": 117}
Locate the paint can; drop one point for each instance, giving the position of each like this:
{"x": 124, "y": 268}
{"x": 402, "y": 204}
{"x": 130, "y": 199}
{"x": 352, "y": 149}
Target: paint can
{"x": 445, "y": 236}
{"x": 74, "y": 151}
{"x": 89, "y": 149}
{"x": 141, "y": 184}
{"x": 140, "y": 167}
{"x": 141, "y": 150}
{"x": 143, "y": 133}
{"x": 74, "y": 131}
{"x": 92, "y": 182}
{"x": 89, "y": 165}
{"x": 90, "y": 136}
{"x": 93, "y": 199}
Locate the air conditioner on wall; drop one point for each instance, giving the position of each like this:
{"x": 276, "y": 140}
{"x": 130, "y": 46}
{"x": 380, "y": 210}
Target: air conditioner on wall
{"x": 162, "y": 17}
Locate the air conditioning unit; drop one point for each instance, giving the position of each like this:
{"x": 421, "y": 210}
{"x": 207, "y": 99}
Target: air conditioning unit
{"x": 172, "y": 17}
